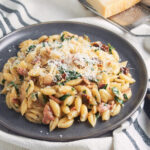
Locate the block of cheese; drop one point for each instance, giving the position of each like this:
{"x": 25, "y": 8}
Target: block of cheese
{"x": 109, "y": 8}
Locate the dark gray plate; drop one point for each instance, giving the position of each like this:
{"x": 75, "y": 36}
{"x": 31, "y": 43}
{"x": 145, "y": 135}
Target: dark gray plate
{"x": 15, "y": 122}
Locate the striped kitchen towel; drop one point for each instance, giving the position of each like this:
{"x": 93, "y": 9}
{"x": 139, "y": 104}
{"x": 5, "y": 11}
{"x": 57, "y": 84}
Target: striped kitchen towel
{"x": 134, "y": 134}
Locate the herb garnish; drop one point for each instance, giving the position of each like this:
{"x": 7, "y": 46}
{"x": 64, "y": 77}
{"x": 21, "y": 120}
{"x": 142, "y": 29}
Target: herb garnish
{"x": 72, "y": 89}
{"x": 3, "y": 81}
{"x": 66, "y": 38}
{"x": 30, "y": 48}
{"x": 60, "y": 83}
{"x": 62, "y": 98}
{"x": 21, "y": 77}
{"x": 71, "y": 75}
{"x": 45, "y": 98}
{"x": 97, "y": 115}
{"x": 58, "y": 77}
{"x": 125, "y": 96}
{"x": 118, "y": 100}
{"x": 15, "y": 86}
{"x": 110, "y": 48}
{"x": 43, "y": 44}
{"x": 34, "y": 96}
{"x": 62, "y": 38}
{"x": 97, "y": 49}
{"x": 115, "y": 91}
{"x": 105, "y": 87}
{"x": 27, "y": 89}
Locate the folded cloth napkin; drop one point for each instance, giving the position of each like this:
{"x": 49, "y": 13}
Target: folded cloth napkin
{"x": 134, "y": 134}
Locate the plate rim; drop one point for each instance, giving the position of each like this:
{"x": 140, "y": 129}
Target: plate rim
{"x": 106, "y": 130}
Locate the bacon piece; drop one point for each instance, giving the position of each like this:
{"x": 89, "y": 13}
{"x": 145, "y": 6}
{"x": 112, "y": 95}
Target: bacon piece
{"x": 64, "y": 75}
{"x": 16, "y": 101}
{"x": 96, "y": 44}
{"x": 103, "y": 107}
{"x": 100, "y": 86}
{"x": 105, "y": 48}
{"x": 47, "y": 114}
{"x": 111, "y": 103}
{"x": 124, "y": 70}
{"x": 22, "y": 71}
{"x": 55, "y": 99}
{"x": 100, "y": 64}
{"x": 73, "y": 108}
{"x": 53, "y": 83}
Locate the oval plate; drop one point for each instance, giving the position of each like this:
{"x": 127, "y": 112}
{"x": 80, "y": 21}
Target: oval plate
{"x": 15, "y": 122}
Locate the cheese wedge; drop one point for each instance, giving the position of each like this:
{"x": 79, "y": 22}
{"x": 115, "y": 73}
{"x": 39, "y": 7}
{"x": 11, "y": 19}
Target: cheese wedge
{"x": 109, "y": 8}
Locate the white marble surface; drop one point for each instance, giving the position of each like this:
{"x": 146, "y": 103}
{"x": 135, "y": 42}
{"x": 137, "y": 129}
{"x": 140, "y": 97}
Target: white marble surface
{"x": 57, "y": 9}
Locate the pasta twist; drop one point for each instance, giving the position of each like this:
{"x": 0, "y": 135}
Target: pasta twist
{"x": 55, "y": 79}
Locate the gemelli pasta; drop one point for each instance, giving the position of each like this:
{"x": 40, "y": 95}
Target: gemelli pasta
{"x": 57, "y": 78}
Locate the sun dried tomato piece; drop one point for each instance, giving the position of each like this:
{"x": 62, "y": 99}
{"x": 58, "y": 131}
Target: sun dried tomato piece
{"x": 124, "y": 70}
{"x": 96, "y": 44}
{"x": 105, "y": 48}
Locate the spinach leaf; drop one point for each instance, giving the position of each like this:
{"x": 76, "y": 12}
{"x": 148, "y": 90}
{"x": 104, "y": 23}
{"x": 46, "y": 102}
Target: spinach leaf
{"x": 61, "y": 70}
{"x": 110, "y": 48}
{"x": 21, "y": 77}
{"x": 115, "y": 91}
{"x": 105, "y": 87}
{"x": 118, "y": 100}
{"x": 15, "y": 85}
{"x": 30, "y": 48}
{"x": 34, "y": 96}
{"x": 45, "y": 98}
{"x": 62, "y": 38}
{"x": 66, "y": 38}
{"x": 97, "y": 115}
{"x": 28, "y": 88}
{"x": 58, "y": 77}
{"x": 3, "y": 81}
{"x": 71, "y": 75}
{"x": 62, "y": 98}
{"x": 72, "y": 89}
{"x": 61, "y": 83}
{"x": 125, "y": 96}
{"x": 97, "y": 49}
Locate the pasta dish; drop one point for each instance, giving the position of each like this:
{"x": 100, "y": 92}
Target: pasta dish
{"x": 55, "y": 79}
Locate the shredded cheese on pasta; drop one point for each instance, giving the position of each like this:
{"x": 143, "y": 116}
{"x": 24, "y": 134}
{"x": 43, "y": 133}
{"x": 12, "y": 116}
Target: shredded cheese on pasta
{"x": 57, "y": 78}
